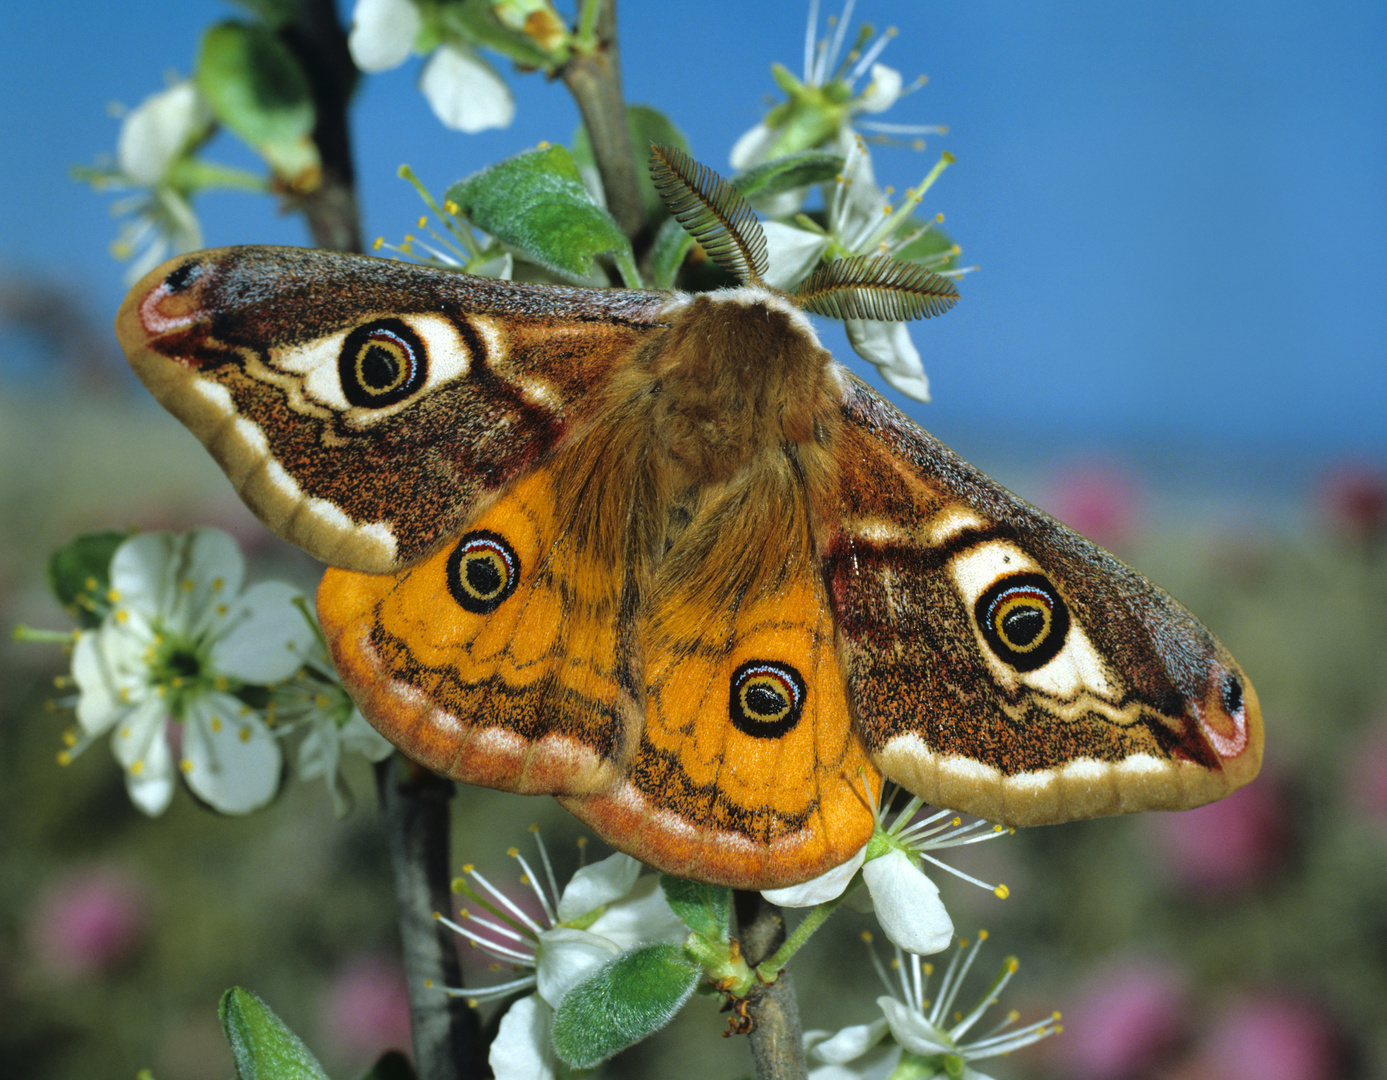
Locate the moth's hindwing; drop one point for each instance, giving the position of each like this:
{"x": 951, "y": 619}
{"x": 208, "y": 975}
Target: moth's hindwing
{"x": 1003, "y": 665}
{"x": 500, "y": 659}
{"x": 750, "y": 771}
{"x": 363, "y": 407}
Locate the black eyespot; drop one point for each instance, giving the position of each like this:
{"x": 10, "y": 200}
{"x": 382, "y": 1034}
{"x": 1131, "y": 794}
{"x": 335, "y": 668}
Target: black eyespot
{"x": 1023, "y": 620}
{"x": 482, "y": 571}
{"x": 184, "y": 276}
{"x": 381, "y": 363}
{"x": 1232, "y": 695}
{"x": 766, "y": 700}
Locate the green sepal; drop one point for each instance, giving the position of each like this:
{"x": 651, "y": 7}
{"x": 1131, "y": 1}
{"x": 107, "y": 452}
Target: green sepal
{"x": 391, "y": 1065}
{"x": 79, "y": 575}
{"x": 648, "y": 127}
{"x": 636, "y": 994}
{"x": 667, "y": 254}
{"x": 704, "y": 908}
{"x": 261, "y": 1046}
{"x": 536, "y": 203}
{"x": 258, "y": 90}
{"x": 789, "y": 172}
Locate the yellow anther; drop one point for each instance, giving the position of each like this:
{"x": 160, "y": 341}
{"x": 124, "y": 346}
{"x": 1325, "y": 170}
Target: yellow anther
{"x": 64, "y": 758}
{"x": 512, "y": 852}
{"x": 451, "y": 207}
{"x": 982, "y": 935}
{"x": 1001, "y": 892}
{"x": 378, "y": 243}
{"x": 216, "y": 725}
{"x": 186, "y": 765}
{"x": 122, "y": 616}
{"x": 244, "y": 734}
{"x": 136, "y": 768}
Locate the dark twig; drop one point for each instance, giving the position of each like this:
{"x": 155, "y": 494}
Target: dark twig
{"x": 415, "y": 814}
{"x": 320, "y": 44}
{"x": 776, "y": 1039}
{"x": 594, "y": 80}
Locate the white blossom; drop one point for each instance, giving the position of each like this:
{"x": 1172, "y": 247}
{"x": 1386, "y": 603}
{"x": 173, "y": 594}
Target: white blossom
{"x": 162, "y": 670}
{"x": 606, "y": 909}
{"x": 927, "y": 1039}
{"x": 906, "y": 902}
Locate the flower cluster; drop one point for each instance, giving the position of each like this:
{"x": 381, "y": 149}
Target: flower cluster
{"x": 191, "y": 676}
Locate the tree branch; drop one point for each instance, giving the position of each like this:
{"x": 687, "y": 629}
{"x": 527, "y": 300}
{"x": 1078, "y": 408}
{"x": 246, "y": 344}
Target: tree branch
{"x": 777, "y": 1044}
{"x": 415, "y": 815}
{"x": 594, "y": 80}
{"x": 320, "y": 44}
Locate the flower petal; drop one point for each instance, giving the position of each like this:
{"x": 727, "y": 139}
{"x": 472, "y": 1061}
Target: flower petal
{"x": 109, "y": 670}
{"x": 751, "y": 147}
{"x": 230, "y": 759}
{"x": 827, "y": 886}
{"x": 882, "y": 92}
{"x": 794, "y": 253}
{"x": 565, "y": 957}
{"x": 149, "y": 779}
{"x": 265, "y": 636}
{"x": 464, "y": 92}
{"x": 852, "y": 1042}
{"x": 383, "y": 33}
{"x": 912, "y": 1030}
{"x": 523, "y": 1047}
{"x": 907, "y": 904}
{"x": 889, "y": 347}
{"x": 641, "y": 917}
{"x": 596, "y": 886}
{"x": 158, "y": 131}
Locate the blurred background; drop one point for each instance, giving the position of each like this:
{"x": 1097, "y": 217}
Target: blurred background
{"x": 1175, "y": 343}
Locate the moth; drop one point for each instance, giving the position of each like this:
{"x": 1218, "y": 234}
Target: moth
{"x": 660, "y": 556}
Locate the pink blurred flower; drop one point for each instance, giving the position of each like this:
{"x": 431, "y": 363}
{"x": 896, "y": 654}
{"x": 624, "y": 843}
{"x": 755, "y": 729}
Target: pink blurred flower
{"x": 1268, "y": 1037}
{"x": 365, "y": 1010}
{"x": 1123, "y": 1023}
{"x": 1229, "y": 845}
{"x": 1098, "y": 499}
{"x": 1353, "y": 498}
{"x": 1367, "y": 775}
{"x": 89, "y": 921}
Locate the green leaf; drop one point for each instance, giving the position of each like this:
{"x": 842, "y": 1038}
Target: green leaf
{"x": 672, "y": 244}
{"x": 536, "y": 203}
{"x": 787, "y": 173}
{"x": 263, "y": 1048}
{"x": 704, "y": 908}
{"x": 636, "y": 994}
{"x": 79, "y": 574}
{"x": 648, "y": 127}
{"x": 257, "y": 89}
{"x": 391, "y": 1065}
{"x": 934, "y": 246}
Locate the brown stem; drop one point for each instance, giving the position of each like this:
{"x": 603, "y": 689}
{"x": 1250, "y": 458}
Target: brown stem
{"x": 594, "y": 80}
{"x": 415, "y": 814}
{"x": 777, "y": 1045}
{"x": 320, "y": 45}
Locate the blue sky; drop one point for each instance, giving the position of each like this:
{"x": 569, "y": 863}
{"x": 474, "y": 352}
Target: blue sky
{"x": 1178, "y": 208}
